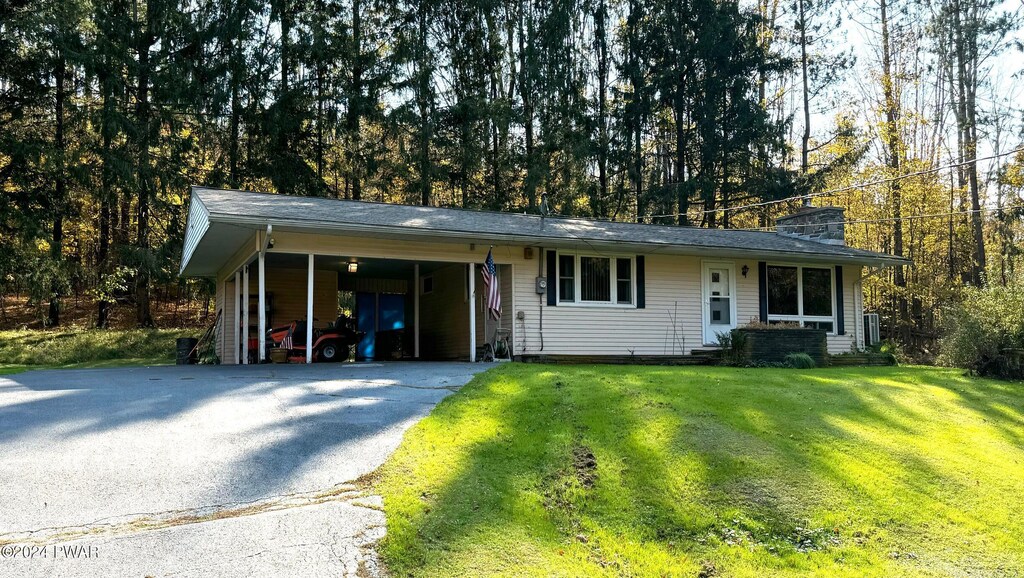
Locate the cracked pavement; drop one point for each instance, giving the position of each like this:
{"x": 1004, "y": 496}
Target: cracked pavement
{"x": 203, "y": 471}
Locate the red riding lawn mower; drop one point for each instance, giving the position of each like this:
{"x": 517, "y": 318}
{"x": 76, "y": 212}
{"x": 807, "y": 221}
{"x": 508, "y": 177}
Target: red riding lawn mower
{"x": 331, "y": 344}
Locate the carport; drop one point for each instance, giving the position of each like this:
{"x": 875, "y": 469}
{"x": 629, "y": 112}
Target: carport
{"x": 405, "y": 309}
{"x": 410, "y": 298}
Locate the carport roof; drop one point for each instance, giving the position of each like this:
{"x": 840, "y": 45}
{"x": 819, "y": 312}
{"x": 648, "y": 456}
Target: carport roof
{"x": 221, "y": 215}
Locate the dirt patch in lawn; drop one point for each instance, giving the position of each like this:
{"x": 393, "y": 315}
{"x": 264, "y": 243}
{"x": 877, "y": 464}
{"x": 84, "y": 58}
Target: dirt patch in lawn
{"x": 585, "y": 466}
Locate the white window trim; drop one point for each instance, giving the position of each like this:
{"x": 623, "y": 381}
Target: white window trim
{"x": 578, "y": 281}
{"x": 800, "y": 317}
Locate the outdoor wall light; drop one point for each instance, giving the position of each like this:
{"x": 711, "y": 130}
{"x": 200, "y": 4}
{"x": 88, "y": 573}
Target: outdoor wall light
{"x": 353, "y": 267}
{"x": 745, "y": 270}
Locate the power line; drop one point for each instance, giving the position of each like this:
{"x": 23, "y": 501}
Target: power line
{"x": 906, "y": 218}
{"x": 850, "y": 187}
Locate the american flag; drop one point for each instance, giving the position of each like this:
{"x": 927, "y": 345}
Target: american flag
{"x": 490, "y": 275}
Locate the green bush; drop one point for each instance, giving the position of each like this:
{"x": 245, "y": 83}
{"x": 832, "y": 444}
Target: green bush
{"x": 733, "y": 344}
{"x": 800, "y": 361}
{"x": 985, "y": 332}
{"x": 891, "y": 349}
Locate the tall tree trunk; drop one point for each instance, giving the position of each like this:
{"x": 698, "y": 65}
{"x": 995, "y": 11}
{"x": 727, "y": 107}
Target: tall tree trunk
{"x": 354, "y": 113}
{"x": 805, "y": 140}
{"x": 424, "y": 103}
{"x": 60, "y": 192}
{"x": 528, "y": 71}
{"x": 236, "y": 113}
{"x": 321, "y": 74}
{"x": 106, "y": 198}
{"x": 493, "y": 106}
{"x": 970, "y": 70}
{"x": 598, "y": 206}
{"x": 636, "y": 162}
{"x": 145, "y": 41}
{"x": 893, "y": 158}
{"x": 285, "y": 108}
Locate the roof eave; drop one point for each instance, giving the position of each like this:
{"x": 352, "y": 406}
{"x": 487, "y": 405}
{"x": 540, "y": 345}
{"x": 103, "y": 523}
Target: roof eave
{"x": 551, "y": 241}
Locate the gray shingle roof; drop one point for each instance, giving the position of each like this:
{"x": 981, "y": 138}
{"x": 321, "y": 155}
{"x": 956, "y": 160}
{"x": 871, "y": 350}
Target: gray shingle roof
{"x": 260, "y": 209}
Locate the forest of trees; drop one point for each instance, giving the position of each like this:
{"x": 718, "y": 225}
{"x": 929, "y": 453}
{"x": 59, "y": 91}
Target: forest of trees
{"x": 684, "y": 112}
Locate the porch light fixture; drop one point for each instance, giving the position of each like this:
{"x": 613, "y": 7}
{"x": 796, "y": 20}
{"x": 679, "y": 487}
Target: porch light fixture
{"x": 353, "y": 267}
{"x": 745, "y": 270}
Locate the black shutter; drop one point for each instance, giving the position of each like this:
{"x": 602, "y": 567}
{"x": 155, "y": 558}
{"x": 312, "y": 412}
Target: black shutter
{"x": 840, "y": 328}
{"x": 552, "y": 263}
{"x": 762, "y": 289}
{"x": 641, "y": 297}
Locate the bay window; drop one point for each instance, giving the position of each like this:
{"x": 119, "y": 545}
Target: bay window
{"x": 803, "y": 295}
{"x": 594, "y": 279}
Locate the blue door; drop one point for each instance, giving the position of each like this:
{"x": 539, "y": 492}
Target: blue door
{"x": 378, "y": 312}
{"x": 366, "y": 321}
{"x": 392, "y": 312}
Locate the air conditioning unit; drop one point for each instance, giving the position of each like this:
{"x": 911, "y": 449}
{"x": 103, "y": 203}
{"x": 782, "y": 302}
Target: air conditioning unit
{"x": 871, "y": 329}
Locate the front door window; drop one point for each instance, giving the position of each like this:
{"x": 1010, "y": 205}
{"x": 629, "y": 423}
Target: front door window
{"x": 719, "y": 307}
{"x": 718, "y": 301}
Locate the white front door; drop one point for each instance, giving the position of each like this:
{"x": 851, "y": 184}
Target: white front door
{"x": 719, "y": 300}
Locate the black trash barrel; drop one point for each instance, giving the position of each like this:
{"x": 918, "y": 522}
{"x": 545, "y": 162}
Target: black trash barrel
{"x": 186, "y": 350}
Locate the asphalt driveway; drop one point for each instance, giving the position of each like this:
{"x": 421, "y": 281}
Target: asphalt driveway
{"x": 202, "y": 470}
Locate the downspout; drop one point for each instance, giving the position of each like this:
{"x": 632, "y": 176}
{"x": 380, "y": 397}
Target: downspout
{"x": 540, "y": 269}
{"x": 540, "y": 296}
{"x": 266, "y": 240}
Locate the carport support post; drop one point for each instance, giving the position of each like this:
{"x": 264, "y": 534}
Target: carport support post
{"x": 238, "y": 316}
{"x": 472, "y": 312}
{"x": 245, "y": 315}
{"x": 416, "y": 311}
{"x": 309, "y": 311}
{"x": 262, "y": 313}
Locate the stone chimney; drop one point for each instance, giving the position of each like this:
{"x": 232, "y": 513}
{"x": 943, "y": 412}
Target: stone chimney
{"x": 820, "y": 224}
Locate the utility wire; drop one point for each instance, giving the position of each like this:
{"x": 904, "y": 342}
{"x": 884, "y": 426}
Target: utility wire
{"x": 850, "y": 187}
{"x": 890, "y": 219}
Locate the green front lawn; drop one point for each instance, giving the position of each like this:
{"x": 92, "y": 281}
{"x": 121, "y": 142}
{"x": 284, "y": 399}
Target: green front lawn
{"x": 591, "y": 470}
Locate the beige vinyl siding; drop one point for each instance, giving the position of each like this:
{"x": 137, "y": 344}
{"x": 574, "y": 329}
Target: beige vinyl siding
{"x": 289, "y": 289}
{"x": 385, "y": 248}
{"x": 226, "y": 339}
{"x": 852, "y": 317}
{"x": 485, "y": 326}
{"x": 444, "y": 316}
{"x": 220, "y": 330}
{"x": 748, "y": 293}
{"x": 198, "y": 223}
{"x": 672, "y": 291}
{"x": 505, "y": 285}
{"x": 363, "y": 284}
